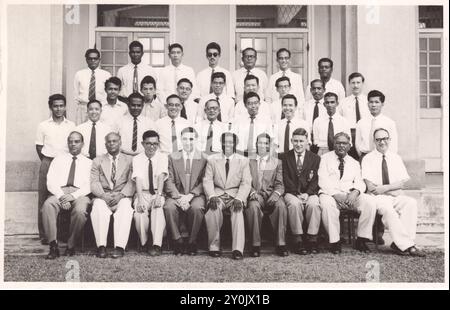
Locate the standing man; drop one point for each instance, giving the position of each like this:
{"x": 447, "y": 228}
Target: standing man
{"x": 116, "y": 107}
{"x": 88, "y": 84}
{"x": 51, "y": 141}
{"x": 205, "y": 77}
{"x": 296, "y": 81}
{"x": 283, "y": 86}
{"x": 251, "y": 84}
{"x": 93, "y": 131}
{"x": 132, "y": 74}
{"x": 342, "y": 188}
{"x": 325, "y": 66}
{"x": 300, "y": 179}
{"x": 113, "y": 190}
{"x": 314, "y": 108}
{"x": 325, "y": 127}
{"x": 153, "y": 107}
{"x": 249, "y": 56}
{"x": 190, "y": 107}
{"x": 185, "y": 207}
{"x": 385, "y": 176}
{"x": 149, "y": 175}
{"x": 266, "y": 197}
{"x": 227, "y": 184}
{"x": 68, "y": 182}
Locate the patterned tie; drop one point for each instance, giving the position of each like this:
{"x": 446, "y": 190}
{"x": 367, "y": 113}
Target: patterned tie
{"x": 210, "y": 82}
{"x": 330, "y": 134}
{"x": 384, "y": 171}
{"x": 209, "y": 138}
{"x": 372, "y": 129}
{"x": 358, "y": 113}
{"x": 71, "y": 178}
{"x": 93, "y": 143}
{"x": 135, "y": 79}
{"x": 286, "y": 137}
{"x": 91, "y": 95}
{"x": 219, "y": 117}
{"x": 134, "y": 141}
{"x": 151, "y": 188}
{"x": 299, "y": 164}
{"x": 174, "y": 138}
{"x": 227, "y": 167}
{"x": 341, "y": 167}
{"x": 113, "y": 171}
{"x": 187, "y": 171}
{"x": 251, "y": 133}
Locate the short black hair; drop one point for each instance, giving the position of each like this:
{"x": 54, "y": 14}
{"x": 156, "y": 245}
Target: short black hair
{"x": 76, "y": 132}
{"x": 315, "y": 81}
{"x": 136, "y": 44}
{"x": 355, "y": 75}
{"x": 289, "y": 96}
{"x": 93, "y": 101}
{"x": 113, "y": 80}
{"x": 185, "y": 80}
{"x": 92, "y": 50}
{"x": 216, "y": 75}
{"x": 251, "y": 77}
{"x": 175, "y": 45}
{"x": 283, "y": 50}
{"x": 376, "y": 93}
{"x": 281, "y": 79}
{"x": 212, "y": 99}
{"x": 250, "y": 95}
{"x": 331, "y": 94}
{"x": 135, "y": 95}
{"x": 342, "y": 134}
{"x": 213, "y": 45}
{"x": 325, "y": 59}
{"x": 189, "y": 130}
{"x": 173, "y": 96}
{"x": 148, "y": 79}
{"x": 249, "y": 49}
{"x": 300, "y": 132}
{"x": 55, "y": 97}
{"x": 235, "y": 140}
{"x": 150, "y": 134}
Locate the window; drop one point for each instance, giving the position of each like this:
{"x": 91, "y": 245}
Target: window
{"x": 271, "y": 16}
{"x": 149, "y": 16}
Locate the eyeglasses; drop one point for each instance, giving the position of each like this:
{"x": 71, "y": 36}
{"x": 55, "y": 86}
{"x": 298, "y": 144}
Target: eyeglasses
{"x": 249, "y": 56}
{"x": 155, "y": 144}
{"x": 379, "y": 140}
{"x": 212, "y": 108}
{"x": 185, "y": 88}
{"x": 342, "y": 143}
{"x": 212, "y": 54}
{"x": 174, "y": 105}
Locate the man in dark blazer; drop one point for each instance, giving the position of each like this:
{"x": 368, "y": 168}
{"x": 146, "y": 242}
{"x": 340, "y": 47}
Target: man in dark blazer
{"x": 300, "y": 178}
{"x": 185, "y": 204}
{"x": 266, "y": 197}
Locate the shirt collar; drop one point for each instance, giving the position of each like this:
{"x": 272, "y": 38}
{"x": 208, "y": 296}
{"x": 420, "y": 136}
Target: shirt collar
{"x": 230, "y": 158}
{"x": 111, "y": 158}
{"x": 65, "y": 120}
{"x": 301, "y": 155}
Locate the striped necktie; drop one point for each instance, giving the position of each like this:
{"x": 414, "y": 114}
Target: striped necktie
{"x": 91, "y": 95}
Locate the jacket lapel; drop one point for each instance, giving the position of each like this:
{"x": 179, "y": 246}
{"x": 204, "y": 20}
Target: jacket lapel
{"x": 196, "y": 164}
{"x": 121, "y": 162}
{"x": 254, "y": 171}
{"x": 106, "y": 167}
{"x": 179, "y": 167}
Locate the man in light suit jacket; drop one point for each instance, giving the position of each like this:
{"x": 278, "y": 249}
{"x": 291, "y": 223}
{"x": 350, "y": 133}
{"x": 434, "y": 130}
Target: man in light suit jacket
{"x": 113, "y": 189}
{"x": 227, "y": 183}
{"x": 266, "y": 197}
{"x": 185, "y": 205}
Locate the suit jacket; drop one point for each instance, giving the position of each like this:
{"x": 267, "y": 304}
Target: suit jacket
{"x": 176, "y": 182}
{"x": 101, "y": 174}
{"x": 238, "y": 183}
{"x": 307, "y": 182}
{"x": 272, "y": 177}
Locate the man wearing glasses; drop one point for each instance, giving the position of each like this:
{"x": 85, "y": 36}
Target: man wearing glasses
{"x": 385, "y": 176}
{"x": 190, "y": 107}
{"x": 89, "y": 85}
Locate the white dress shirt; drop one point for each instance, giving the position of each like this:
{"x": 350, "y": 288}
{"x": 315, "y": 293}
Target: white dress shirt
{"x": 264, "y": 110}
{"x": 347, "y": 108}
{"x": 320, "y": 128}
{"x": 280, "y": 130}
{"x": 126, "y": 131}
{"x": 164, "y": 129}
{"x": 372, "y": 171}
{"x": 241, "y": 127}
{"x": 333, "y": 86}
{"x": 53, "y": 136}
{"x": 154, "y": 110}
{"x": 277, "y": 110}
{"x": 126, "y": 75}
{"x": 238, "y": 79}
{"x": 204, "y": 81}
{"x": 169, "y": 77}
{"x": 81, "y": 83}
{"x": 296, "y": 86}
{"x": 192, "y": 108}
{"x": 101, "y": 130}
{"x": 140, "y": 168}
{"x": 308, "y": 111}
{"x": 218, "y": 128}
{"x": 227, "y": 106}
{"x": 58, "y": 175}
{"x": 364, "y": 131}
{"x": 331, "y": 183}
{"x": 112, "y": 114}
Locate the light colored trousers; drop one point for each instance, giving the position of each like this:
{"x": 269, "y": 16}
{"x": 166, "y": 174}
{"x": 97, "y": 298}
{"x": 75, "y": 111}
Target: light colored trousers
{"x": 366, "y": 207}
{"x": 214, "y": 221}
{"x": 101, "y": 215}
{"x": 298, "y": 212}
{"x": 157, "y": 221}
{"x": 399, "y": 215}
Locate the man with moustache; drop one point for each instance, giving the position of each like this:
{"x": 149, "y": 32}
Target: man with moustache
{"x": 325, "y": 66}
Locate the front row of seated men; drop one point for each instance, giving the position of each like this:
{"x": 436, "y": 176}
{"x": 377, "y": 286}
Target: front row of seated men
{"x": 184, "y": 188}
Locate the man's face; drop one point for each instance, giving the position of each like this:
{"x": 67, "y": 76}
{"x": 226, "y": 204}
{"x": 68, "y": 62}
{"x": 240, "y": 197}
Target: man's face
{"x": 283, "y": 88}
{"x": 112, "y": 91}
{"x": 75, "y": 144}
{"x": 382, "y": 141}
{"x": 341, "y": 146}
{"x": 218, "y": 84}
{"x": 317, "y": 90}
{"x": 213, "y": 56}
{"x": 251, "y": 85}
{"x": 289, "y": 108}
{"x": 263, "y": 146}
{"x": 189, "y": 141}
{"x": 325, "y": 70}
{"x": 94, "y": 111}
{"x": 283, "y": 60}
{"x": 356, "y": 85}
{"x": 249, "y": 59}
{"x": 252, "y": 104}
{"x": 184, "y": 90}
{"x": 173, "y": 107}
{"x": 375, "y": 105}
{"x": 330, "y": 104}
{"x": 93, "y": 60}
{"x": 136, "y": 54}
{"x": 150, "y": 145}
{"x": 58, "y": 108}
{"x": 113, "y": 144}
{"x": 228, "y": 145}
{"x": 176, "y": 55}
{"x": 212, "y": 110}
{"x": 149, "y": 91}
{"x": 135, "y": 107}
{"x": 299, "y": 142}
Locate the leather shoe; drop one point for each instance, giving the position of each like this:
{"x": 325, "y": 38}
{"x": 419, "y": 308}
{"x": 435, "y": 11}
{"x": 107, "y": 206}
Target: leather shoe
{"x": 413, "y": 251}
{"x": 155, "y": 250}
{"x": 192, "y": 249}
{"x": 256, "y": 251}
{"x": 282, "y": 251}
{"x": 335, "y": 248}
{"x": 178, "y": 247}
{"x": 313, "y": 249}
{"x": 237, "y": 255}
{"x": 397, "y": 251}
{"x": 44, "y": 241}
{"x": 69, "y": 252}
{"x": 118, "y": 252}
{"x": 101, "y": 252}
{"x": 214, "y": 253}
{"x": 301, "y": 249}
{"x": 360, "y": 245}
{"x": 54, "y": 253}
{"x": 378, "y": 239}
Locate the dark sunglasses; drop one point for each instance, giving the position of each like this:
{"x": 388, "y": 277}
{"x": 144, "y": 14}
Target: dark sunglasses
{"x": 212, "y": 54}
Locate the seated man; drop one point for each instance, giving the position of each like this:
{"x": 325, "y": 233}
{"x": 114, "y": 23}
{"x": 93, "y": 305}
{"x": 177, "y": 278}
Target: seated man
{"x": 113, "y": 189}
{"x": 385, "y": 175}
{"x": 149, "y": 174}
{"x": 185, "y": 205}
{"x": 227, "y": 183}
{"x": 301, "y": 186}
{"x": 68, "y": 182}
{"x": 342, "y": 188}
{"x": 266, "y": 197}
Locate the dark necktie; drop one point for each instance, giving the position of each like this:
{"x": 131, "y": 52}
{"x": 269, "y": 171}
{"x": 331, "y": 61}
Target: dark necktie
{"x": 183, "y": 111}
{"x": 299, "y": 164}
{"x": 151, "y": 188}
{"x": 113, "y": 171}
{"x": 251, "y": 133}
{"x": 210, "y": 82}
{"x": 174, "y": 137}
{"x": 341, "y": 167}
{"x": 93, "y": 143}
{"x": 330, "y": 134}
{"x": 209, "y": 139}
{"x": 227, "y": 167}
{"x": 286, "y": 137}
{"x": 315, "y": 115}
{"x": 135, "y": 79}
{"x": 248, "y": 72}
{"x": 187, "y": 171}
{"x": 358, "y": 113}
{"x": 219, "y": 117}
{"x": 134, "y": 141}
{"x": 71, "y": 178}
{"x": 384, "y": 171}
{"x": 91, "y": 95}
